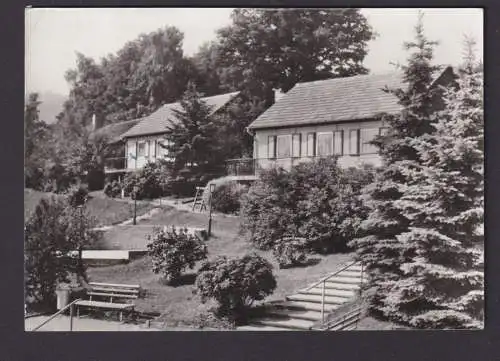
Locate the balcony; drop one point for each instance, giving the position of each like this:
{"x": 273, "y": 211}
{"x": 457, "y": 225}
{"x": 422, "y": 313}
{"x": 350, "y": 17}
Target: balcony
{"x": 115, "y": 165}
{"x": 240, "y": 167}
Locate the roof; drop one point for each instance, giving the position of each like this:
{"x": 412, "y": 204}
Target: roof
{"x": 115, "y": 130}
{"x": 334, "y": 100}
{"x": 157, "y": 122}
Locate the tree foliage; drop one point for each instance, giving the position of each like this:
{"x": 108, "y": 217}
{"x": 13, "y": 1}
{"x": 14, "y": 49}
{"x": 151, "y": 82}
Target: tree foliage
{"x": 52, "y": 234}
{"x": 279, "y": 47}
{"x": 421, "y": 248}
{"x": 316, "y": 200}
{"x": 193, "y": 145}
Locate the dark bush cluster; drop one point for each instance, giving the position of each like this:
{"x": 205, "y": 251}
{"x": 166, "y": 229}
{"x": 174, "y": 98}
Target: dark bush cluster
{"x": 291, "y": 251}
{"x": 317, "y": 201}
{"x": 113, "y": 189}
{"x": 151, "y": 181}
{"x": 173, "y": 250}
{"x": 235, "y": 283}
{"x": 226, "y": 197}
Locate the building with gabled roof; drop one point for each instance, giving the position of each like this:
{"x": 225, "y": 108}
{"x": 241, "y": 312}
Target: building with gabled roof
{"x": 337, "y": 116}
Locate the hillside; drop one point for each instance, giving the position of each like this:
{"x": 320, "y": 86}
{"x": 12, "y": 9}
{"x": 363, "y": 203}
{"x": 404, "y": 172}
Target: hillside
{"x": 51, "y": 106}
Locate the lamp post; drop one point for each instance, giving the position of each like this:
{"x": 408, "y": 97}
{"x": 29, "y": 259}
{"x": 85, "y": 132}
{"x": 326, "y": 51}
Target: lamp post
{"x": 212, "y": 188}
{"x": 135, "y": 191}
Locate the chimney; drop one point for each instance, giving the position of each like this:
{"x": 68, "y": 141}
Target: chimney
{"x": 278, "y": 94}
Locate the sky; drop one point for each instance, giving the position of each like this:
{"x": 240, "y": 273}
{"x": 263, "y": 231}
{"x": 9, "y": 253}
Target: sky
{"x": 53, "y": 36}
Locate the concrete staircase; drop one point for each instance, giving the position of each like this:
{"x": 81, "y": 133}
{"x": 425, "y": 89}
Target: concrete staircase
{"x": 302, "y": 310}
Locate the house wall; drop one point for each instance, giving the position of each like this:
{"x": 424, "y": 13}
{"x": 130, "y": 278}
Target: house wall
{"x": 261, "y": 143}
{"x": 151, "y": 150}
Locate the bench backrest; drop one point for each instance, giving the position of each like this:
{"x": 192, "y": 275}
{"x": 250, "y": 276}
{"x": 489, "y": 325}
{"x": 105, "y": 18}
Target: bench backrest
{"x": 114, "y": 288}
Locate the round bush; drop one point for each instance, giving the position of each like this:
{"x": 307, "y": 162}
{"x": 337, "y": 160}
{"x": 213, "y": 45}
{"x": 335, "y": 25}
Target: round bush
{"x": 173, "y": 250}
{"x": 226, "y": 198}
{"x": 235, "y": 283}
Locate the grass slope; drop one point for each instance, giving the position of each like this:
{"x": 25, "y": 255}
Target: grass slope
{"x": 106, "y": 211}
{"x": 178, "y": 305}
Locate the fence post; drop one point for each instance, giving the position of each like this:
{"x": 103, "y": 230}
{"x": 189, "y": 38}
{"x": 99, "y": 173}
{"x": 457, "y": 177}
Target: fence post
{"x": 323, "y": 302}
{"x": 71, "y": 317}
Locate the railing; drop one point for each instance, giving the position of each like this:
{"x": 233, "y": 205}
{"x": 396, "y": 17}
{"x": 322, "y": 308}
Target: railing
{"x": 70, "y": 306}
{"x": 241, "y": 166}
{"x": 115, "y": 163}
{"x": 339, "y": 323}
{"x": 323, "y": 281}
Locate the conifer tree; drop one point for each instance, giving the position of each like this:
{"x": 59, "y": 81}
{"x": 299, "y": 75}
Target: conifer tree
{"x": 380, "y": 250}
{"x": 192, "y": 134}
{"x": 443, "y": 280}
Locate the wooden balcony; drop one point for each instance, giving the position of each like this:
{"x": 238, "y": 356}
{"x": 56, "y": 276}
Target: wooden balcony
{"x": 115, "y": 165}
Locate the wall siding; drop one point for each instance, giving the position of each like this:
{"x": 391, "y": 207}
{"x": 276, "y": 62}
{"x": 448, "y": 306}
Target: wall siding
{"x": 261, "y": 138}
{"x": 151, "y": 155}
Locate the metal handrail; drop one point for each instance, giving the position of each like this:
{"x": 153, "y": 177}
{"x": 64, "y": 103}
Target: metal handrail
{"x": 341, "y": 320}
{"x": 322, "y": 282}
{"x": 326, "y": 278}
{"x": 70, "y": 305}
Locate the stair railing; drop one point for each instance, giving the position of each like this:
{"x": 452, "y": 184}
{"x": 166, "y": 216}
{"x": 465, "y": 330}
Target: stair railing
{"x": 70, "y": 306}
{"x": 323, "y": 281}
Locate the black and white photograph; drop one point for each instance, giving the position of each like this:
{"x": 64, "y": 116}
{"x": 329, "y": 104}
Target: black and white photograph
{"x": 253, "y": 169}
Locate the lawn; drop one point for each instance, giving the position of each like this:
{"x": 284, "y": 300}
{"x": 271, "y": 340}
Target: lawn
{"x": 177, "y": 305}
{"x": 106, "y": 211}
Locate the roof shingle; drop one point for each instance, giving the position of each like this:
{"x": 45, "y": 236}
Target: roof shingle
{"x": 333, "y": 100}
{"x": 157, "y": 122}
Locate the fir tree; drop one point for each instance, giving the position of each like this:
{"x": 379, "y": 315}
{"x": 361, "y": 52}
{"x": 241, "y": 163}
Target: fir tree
{"x": 380, "y": 249}
{"x": 192, "y": 134}
{"x": 443, "y": 280}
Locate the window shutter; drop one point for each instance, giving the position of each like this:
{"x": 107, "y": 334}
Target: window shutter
{"x": 338, "y": 142}
{"x": 311, "y": 144}
{"x": 271, "y": 147}
{"x": 354, "y": 142}
{"x": 296, "y": 142}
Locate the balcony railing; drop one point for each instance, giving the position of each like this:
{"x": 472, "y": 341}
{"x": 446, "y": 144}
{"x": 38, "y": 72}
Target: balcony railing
{"x": 241, "y": 166}
{"x": 118, "y": 163}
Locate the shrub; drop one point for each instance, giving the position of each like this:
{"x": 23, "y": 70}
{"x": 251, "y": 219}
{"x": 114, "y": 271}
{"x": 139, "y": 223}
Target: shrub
{"x": 53, "y": 231}
{"x": 226, "y": 197}
{"x": 151, "y": 181}
{"x": 113, "y": 189}
{"x": 77, "y": 195}
{"x": 235, "y": 283}
{"x": 290, "y": 251}
{"x": 173, "y": 251}
{"x": 317, "y": 200}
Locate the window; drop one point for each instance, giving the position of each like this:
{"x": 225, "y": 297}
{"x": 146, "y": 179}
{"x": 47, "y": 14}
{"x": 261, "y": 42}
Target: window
{"x": 367, "y": 135}
{"x": 160, "y": 151}
{"x": 271, "y": 147}
{"x": 338, "y": 142}
{"x": 296, "y": 138}
{"x": 354, "y": 142}
{"x": 383, "y": 131}
{"x": 311, "y": 144}
{"x": 325, "y": 144}
{"x": 284, "y": 146}
{"x": 141, "y": 149}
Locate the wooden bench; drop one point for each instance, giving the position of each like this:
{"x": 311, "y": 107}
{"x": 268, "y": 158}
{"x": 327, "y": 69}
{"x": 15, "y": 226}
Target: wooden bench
{"x": 110, "y": 292}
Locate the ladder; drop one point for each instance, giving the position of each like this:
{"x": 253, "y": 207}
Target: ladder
{"x": 198, "y": 199}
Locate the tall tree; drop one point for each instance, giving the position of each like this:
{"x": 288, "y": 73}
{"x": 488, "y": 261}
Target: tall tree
{"x": 442, "y": 285}
{"x": 381, "y": 249}
{"x": 280, "y": 47}
{"x": 192, "y": 135}
{"x": 36, "y": 139}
